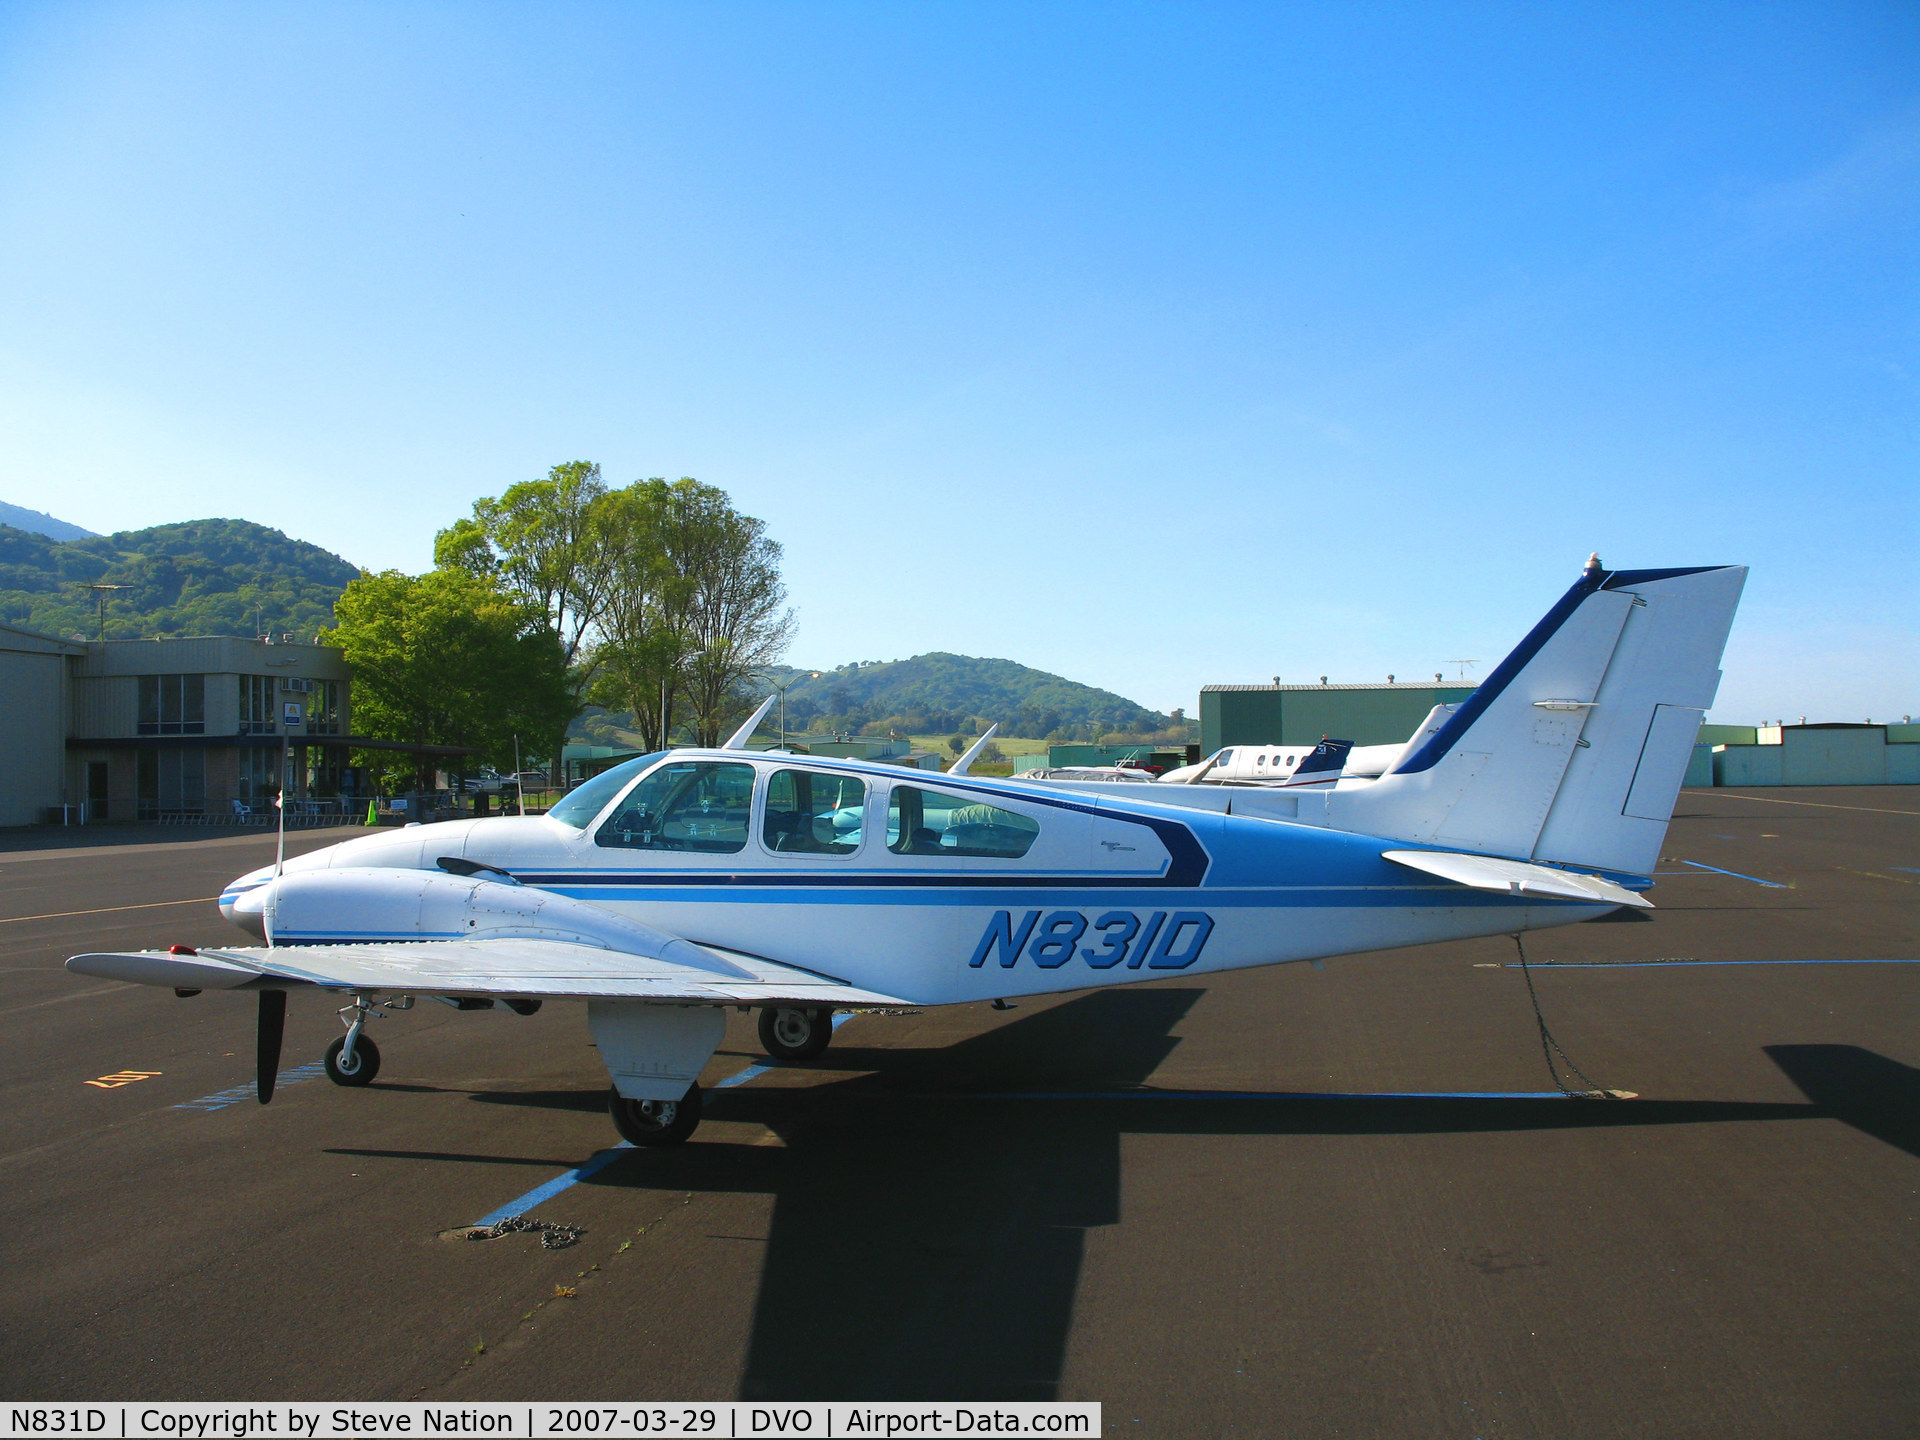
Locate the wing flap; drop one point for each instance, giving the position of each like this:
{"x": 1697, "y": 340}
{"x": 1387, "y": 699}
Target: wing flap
{"x": 557, "y": 968}
{"x": 1516, "y": 877}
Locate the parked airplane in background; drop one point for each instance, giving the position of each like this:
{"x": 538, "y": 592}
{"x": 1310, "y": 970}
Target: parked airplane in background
{"x": 1320, "y": 764}
{"x": 680, "y": 883}
{"x": 1104, "y": 774}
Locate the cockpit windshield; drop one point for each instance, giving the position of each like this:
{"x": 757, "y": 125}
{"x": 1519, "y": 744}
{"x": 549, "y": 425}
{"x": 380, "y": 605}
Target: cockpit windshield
{"x": 588, "y": 800}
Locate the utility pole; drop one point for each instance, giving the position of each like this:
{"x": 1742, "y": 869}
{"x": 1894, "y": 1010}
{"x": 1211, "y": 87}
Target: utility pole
{"x": 100, "y": 594}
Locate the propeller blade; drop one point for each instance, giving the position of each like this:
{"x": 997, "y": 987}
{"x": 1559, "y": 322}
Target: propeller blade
{"x": 273, "y": 1025}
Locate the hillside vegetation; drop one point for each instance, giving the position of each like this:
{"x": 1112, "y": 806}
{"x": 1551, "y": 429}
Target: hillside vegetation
{"x": 233, "y": 577}
{"x": 199, "y": 577}
{"x": 941, "y": 694}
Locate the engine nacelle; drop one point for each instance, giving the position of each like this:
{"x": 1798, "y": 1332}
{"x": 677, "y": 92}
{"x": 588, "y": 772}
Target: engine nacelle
{"x": 345, "y": 907}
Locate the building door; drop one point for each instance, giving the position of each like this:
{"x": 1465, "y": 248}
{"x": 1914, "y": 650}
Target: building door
{"x": 96, "y": 791}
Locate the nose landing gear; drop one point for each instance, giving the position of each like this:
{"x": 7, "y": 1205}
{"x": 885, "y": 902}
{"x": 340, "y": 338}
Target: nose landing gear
{"x": 354, "y": 1059}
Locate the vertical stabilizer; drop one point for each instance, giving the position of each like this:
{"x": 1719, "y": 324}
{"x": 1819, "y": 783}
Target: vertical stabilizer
{"x": 1322, "y": 766}
{"x": 1573, "y": 748}
{"x": 1618, "y": 795}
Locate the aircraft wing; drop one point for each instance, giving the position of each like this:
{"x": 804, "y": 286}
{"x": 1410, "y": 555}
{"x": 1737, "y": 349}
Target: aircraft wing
{"x": 699, "y": 974}
{"x": 1517, "y": 877}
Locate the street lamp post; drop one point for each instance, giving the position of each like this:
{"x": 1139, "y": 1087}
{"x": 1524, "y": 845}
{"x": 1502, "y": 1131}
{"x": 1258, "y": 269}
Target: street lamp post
{"x": 663, "y": 694}
{"x": 810, "y": 675}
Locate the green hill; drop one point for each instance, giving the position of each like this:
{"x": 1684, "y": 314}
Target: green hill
{"x": 200, "y": 577}
{"x": 937, "y": 694}
{"x": 942, "y": 692}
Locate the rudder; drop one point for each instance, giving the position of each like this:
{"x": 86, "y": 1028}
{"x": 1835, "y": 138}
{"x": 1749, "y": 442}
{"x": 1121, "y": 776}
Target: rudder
{"x": 1573, "y": 749}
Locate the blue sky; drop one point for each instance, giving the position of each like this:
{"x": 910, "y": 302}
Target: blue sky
{"x": 1153, "y": 345}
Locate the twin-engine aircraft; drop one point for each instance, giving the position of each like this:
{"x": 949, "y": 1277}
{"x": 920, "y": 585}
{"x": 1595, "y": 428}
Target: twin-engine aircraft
{"x": 680, "y": 883}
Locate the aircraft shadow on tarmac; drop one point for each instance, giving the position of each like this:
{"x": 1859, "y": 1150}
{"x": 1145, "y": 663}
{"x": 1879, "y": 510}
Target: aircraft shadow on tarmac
{"x": 931, "y": 1217}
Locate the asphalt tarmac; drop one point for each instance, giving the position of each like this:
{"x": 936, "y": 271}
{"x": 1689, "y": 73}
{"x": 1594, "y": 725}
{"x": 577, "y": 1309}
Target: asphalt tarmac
{"x": 1259, "y": 1204}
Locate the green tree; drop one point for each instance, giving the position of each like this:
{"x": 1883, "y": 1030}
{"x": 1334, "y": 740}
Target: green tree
{"x": 694, "y": 609}
{"x": 449, "y": 658}
{"x": 546, "y": 542}
{"x": 735, "y": 615}
{"x": 642, "y": 647}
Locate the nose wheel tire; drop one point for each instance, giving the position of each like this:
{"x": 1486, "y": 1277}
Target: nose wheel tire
{"x": 792, "y": 1033}
{"x": 655, "y": 1122}
{"x": 366, "y": 1062}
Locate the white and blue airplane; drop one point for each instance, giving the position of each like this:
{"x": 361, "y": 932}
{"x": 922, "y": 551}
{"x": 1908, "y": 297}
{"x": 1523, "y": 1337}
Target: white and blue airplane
{"x": 683, "y": 882}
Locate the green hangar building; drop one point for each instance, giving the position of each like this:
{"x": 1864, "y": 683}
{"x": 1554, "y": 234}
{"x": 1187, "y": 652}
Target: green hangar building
{"x": 1302, "y": 714}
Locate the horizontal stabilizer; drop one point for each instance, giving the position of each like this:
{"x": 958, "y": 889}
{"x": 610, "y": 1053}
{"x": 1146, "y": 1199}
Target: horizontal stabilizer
{"x": 557, "y": 968}
{"x": 1516, "y": 877}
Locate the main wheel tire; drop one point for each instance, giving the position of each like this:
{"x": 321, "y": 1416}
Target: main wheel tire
{"x": 655, "y": 1122}
{"x": 366, "y": 1061}
{"x": 791, "y": 1033}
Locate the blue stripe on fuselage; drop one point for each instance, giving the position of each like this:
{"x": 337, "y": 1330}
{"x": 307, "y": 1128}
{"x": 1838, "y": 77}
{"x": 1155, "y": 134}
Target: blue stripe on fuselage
{"x": 1068, "y": 895}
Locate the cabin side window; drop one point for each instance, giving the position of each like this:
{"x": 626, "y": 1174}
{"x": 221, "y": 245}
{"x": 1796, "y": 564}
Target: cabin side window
{"x": 809, "y": 813}
{"x": 926, "y": 822}
{"x": 701, "y": 806}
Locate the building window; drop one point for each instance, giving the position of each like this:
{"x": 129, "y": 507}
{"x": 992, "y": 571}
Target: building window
{"x": 171, "y": 782}
{"x": 925, "y": 822}
{"x": 813, "y": 814}
{"x": 259, "y": 773}
{"x": 323, "y": 708}
{"x": 173, "y": 704}
{"x": 257, "y": 714}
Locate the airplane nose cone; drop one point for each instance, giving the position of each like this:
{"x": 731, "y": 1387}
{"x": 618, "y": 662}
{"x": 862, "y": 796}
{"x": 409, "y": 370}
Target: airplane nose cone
{"x": 244, "y": 902}
{"x": 248, "y": 911}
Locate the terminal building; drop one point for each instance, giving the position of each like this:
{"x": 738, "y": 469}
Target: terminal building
{"x": 120, "y": 731}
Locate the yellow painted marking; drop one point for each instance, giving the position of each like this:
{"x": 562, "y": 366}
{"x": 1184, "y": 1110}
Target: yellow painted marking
{"x": 1876, "y": 875}
{"x": 121, "y": 1077}
{"x": 69, "y": 914}
{"x": 1816, "y": 804}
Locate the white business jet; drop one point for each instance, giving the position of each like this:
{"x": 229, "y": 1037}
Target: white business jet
{"x": 1326, "y": 763}
{"x": 680, "y": 883}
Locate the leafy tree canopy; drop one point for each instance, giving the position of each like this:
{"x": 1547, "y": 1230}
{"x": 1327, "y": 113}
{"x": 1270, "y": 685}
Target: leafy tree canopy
{"x": 449, "y": 658}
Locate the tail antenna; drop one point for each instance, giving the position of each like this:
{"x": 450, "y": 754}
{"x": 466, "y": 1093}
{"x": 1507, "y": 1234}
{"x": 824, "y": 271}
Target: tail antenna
{"x": 960, "y": 766}
{"x": 745, "y": 732}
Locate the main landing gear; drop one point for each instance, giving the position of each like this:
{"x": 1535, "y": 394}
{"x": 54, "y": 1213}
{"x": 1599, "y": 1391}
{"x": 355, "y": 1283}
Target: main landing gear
{"x": 793, "y": 1033}
{"x": 655, "y": 1122}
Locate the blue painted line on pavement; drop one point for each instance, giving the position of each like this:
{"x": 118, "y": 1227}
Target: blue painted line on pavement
{"x": 1279, "y": 1095}
{"x": 1685, "y": 964}
{"x": 754, "y": 1072}
{"x": 233, "y": 1095}
{"x": 1770, "y": 884}
{"x": 1908, "y": 868}
{"x": 543, "y": 1193}
{"x": 540, "y": 1194}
